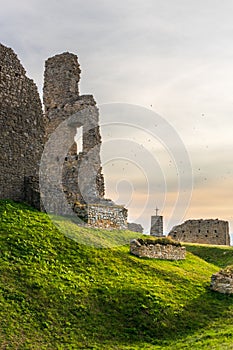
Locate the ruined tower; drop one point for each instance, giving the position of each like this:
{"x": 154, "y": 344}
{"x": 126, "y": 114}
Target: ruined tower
{"x": 62, "y": 101}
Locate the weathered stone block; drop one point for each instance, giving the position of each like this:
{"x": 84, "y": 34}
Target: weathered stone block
{"x": 107, "y": 216}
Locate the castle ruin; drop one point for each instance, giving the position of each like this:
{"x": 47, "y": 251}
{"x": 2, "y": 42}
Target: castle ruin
{"x": 209, "y": 231}
{"x": 25, "y": 130}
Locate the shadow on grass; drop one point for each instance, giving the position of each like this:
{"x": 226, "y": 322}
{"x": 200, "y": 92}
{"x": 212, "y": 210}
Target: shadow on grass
{"x": 133, "y": 315}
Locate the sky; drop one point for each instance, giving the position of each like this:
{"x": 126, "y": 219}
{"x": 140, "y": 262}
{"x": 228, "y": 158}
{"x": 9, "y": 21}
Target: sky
{"x": 167, "y": 67}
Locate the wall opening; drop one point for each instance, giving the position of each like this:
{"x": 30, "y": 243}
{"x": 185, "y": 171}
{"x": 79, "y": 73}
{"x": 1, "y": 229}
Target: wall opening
{"x": 79, "y": 139}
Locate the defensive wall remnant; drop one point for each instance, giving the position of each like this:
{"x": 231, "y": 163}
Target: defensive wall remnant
{"x": 209, "y": 231}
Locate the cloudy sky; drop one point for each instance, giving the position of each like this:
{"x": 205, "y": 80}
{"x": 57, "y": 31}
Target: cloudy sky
{"x": 171, "y": 63}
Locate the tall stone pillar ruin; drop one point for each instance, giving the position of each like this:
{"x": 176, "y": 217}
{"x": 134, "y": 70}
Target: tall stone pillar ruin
{"x": 83, "y": 181}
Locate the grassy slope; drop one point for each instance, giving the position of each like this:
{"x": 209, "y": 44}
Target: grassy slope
{"x": 56, "y": 293}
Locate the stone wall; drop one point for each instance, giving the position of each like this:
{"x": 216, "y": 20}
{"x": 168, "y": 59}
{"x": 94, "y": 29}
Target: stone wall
{"x": 82, "y": 177}
{"x": 157, "y": 251}
{"x": 104, "y": 216}
{"x": 202, "y": 231}
{"x": 21, "y": 126}
{"x": 132, "y": 226}
{"x": 32, "y": 192}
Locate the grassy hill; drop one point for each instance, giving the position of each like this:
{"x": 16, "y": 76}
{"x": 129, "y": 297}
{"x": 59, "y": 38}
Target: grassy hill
{"x": 59, "y": 293}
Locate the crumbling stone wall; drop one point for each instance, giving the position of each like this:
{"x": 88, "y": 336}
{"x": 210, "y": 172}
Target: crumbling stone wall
{"x": 112, "y": 216}
{"x": 202, "y": 231}
{"x": 157, "y": 251}
{"x": 83, "y": 181}
{"x": 21, "y": 126}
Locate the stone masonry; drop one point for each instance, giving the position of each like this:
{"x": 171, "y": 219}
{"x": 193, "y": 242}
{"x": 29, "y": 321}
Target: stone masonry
{"x": 107, "y": 216}
{"x": 82, "y": 178}
{"x": 132, "y": 226}
{"x": 21, "y": 126}
{"x": 202, "y": 231}
{"x": 157, "y": 251}
{"x": 25, "y": 129}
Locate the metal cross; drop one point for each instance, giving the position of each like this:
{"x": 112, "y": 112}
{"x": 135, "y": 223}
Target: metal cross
{"x": 157, "y": 210}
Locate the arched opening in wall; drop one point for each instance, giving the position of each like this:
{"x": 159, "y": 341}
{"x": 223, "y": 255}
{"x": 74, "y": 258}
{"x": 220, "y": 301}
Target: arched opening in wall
{"x": 79, "y": 139}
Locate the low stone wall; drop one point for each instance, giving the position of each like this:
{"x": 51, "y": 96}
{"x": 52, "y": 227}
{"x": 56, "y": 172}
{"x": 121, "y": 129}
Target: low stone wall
{"x": 107, "y": 216}
{"x": 222, "y": 282}
{"x": 157, "y": 251}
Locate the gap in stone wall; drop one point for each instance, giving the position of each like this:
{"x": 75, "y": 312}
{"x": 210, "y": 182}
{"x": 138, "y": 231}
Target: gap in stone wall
{"x": 79, "y": 139}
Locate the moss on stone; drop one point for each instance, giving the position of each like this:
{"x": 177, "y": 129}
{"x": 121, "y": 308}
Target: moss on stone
{"x": 158, "y": 240}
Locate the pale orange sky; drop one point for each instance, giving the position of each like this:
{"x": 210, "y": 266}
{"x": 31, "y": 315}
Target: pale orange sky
{"x": 143, "y": 171}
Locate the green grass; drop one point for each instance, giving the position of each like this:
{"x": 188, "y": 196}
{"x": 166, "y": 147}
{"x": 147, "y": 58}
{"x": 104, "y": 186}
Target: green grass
{"x": 59, "y": 293}
{"x": 220, "y": 256}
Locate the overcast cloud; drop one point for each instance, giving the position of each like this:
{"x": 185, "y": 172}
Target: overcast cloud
{"x": 174, "y": 57}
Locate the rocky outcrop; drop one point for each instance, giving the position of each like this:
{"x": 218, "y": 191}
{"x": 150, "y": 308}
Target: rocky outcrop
{"x": 21, "y": 126}
{"x": 222, "y": 281}
{"x": 132, "y": 226}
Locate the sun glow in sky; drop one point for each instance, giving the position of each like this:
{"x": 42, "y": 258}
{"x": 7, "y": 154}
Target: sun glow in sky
{"x": 174, "y": 58}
